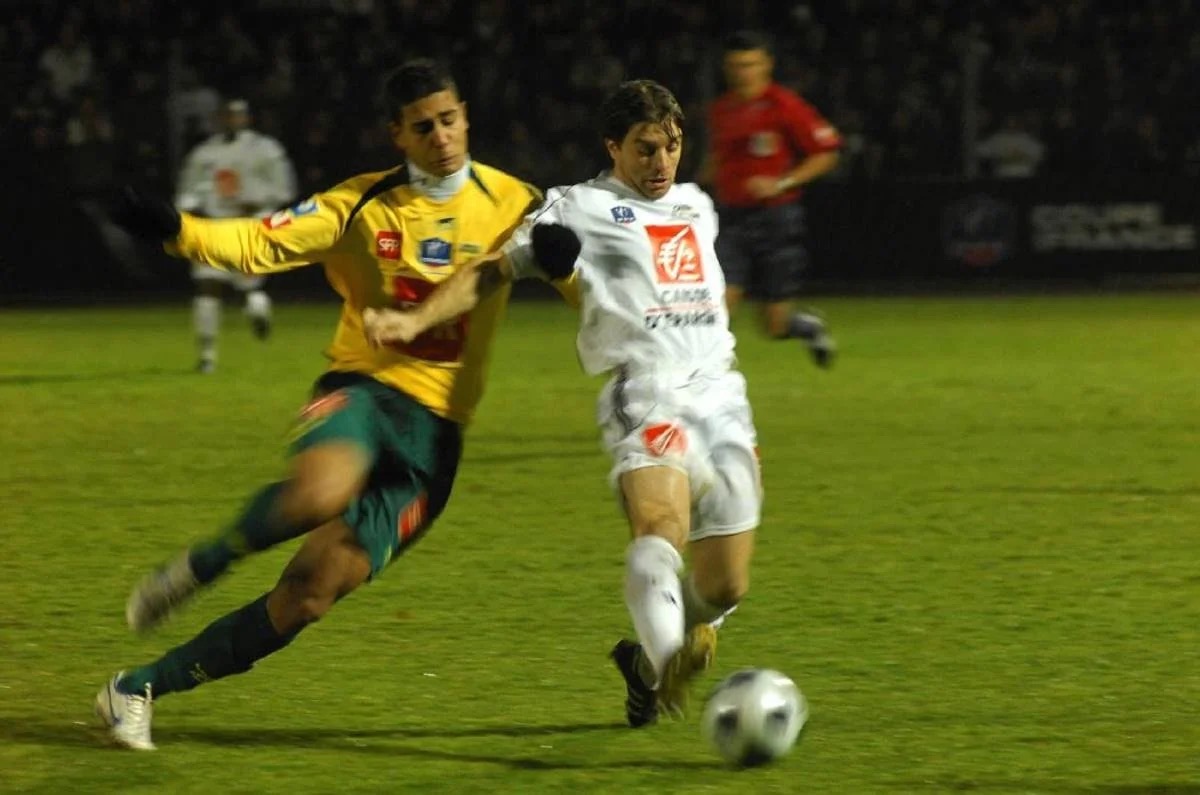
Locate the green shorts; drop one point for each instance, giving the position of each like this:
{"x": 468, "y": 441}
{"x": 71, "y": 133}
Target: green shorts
{"x": 414, "y": 456}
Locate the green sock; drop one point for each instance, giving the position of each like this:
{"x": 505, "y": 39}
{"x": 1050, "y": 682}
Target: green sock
{"x": 229, "y": 645}
{"x": 257, "y": 528}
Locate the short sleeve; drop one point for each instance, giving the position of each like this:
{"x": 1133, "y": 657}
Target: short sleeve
{"x": 519, "y": 248}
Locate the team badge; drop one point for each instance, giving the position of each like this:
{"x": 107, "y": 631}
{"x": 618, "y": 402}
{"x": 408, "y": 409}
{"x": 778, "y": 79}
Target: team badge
{"x": 623, "y": 215}
{"x": 764, "y": 144}
{"x": 434, "y": 251}
{"x": 306, "y": 207}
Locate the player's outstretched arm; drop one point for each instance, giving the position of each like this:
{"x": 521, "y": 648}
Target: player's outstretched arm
{"x": 462, "y": 292}
{"x": 554, "y": 247}
{"x": 289, "y": 239}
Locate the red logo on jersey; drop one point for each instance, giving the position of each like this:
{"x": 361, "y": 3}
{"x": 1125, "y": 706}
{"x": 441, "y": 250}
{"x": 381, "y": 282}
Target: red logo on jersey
{"x": 278, "y": 220}
{"x": 676, "y": 253}
{"x": 228, "y": 182}
{"x": 387, "y": 244}
{"x": 665, "y": 438}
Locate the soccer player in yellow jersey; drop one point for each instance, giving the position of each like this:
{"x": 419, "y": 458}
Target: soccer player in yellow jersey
{"x": 374, "y": 453}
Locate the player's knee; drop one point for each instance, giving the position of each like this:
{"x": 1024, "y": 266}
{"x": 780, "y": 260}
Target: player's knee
{"x": 662, "y": 525}
{"x": 323, "y": 482}
{"x": 297, "y": 602}
{"x": 312, "y": 608}
{"x": 310, "y": 502}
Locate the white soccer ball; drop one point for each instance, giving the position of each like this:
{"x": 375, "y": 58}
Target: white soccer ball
{"x": 754, "y": 716}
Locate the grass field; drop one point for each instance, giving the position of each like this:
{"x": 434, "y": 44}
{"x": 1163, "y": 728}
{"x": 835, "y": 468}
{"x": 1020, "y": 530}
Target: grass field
{"x": 980, "y": 560}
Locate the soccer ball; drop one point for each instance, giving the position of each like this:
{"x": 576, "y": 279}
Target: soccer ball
{"x": 754, "y": 716}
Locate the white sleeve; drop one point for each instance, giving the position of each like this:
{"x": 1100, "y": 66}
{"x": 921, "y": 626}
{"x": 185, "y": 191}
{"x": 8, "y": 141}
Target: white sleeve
{"x": 519, "y": 248}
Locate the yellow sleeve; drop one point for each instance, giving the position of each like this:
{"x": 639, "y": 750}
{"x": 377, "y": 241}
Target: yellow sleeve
{"x": 291, "y": 238}
{"x": 568, "y": 288}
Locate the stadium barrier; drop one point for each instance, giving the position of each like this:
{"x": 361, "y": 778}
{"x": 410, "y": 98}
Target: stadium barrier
{"x": 887, "y": 233}
{"x": 919, "y": 231}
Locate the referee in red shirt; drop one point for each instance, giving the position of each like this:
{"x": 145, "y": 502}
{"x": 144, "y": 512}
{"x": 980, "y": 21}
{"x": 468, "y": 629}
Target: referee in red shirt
{"x": 765, "y": 142}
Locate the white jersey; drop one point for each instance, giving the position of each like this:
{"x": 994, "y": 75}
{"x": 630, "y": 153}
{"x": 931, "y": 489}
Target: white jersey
{"x": 249, "y": 174}
{"x": 652, "y": 291}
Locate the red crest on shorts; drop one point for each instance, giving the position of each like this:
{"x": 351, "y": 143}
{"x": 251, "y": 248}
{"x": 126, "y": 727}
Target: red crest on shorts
{"x": 665, "y": 438}
{"x": 412, "y": 517}
{"x": 324, "y": 405}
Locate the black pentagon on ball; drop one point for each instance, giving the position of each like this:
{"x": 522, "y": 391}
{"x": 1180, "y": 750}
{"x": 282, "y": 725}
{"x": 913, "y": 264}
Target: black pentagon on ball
{"x": 740, "y": 678}
{"x": 755, "y": 756}
{"x": 727, "y": 723}
{"x": 778, "y": 718}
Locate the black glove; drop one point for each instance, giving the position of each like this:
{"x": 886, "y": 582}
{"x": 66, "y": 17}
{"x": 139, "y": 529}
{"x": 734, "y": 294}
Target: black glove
{"x": 555, "y": 247}
{"x": 144, "y": 216}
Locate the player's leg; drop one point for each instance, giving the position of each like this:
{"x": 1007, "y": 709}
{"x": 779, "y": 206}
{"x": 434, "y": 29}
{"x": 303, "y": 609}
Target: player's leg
{"x": 330, "y": 564}
{"x": 726, "y": 513}
{"x": 657, "y": 502}
{"x": 206, "y": 313}
{"x": 719, "y": 579}
{"x": 782, "y": 258}
{"x": 335, "y": 448}
{"x": 257, "y": 304}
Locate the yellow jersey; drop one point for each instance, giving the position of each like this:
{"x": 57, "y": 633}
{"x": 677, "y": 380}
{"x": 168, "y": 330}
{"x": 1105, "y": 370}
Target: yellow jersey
{"x": 385, "y": 243}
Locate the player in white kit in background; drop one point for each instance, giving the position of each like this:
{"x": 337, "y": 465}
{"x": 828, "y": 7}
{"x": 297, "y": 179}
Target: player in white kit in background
{"x": 674, "y": 413}
{"x": 237, "y": 172}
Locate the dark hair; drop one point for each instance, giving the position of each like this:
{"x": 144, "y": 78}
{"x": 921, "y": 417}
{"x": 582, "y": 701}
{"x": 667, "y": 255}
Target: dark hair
{"x": 413, "y": 80}
{"x": 637, "y": 102}
{"x": 747, "y": 40}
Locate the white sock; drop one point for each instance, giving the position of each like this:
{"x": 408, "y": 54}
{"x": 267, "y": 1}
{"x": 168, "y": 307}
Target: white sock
{"x": 699, "y": 611}
{"x": 654, "y": 596}
{"x": 206, "y": 319}
{"x": 258, "y": 304}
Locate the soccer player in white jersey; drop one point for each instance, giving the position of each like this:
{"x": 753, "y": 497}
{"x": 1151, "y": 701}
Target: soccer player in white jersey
{"x": 237, "y": 172}
{"x": 674, "y": 412}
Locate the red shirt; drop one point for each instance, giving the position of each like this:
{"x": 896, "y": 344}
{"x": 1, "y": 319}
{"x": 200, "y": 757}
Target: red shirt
{"x": 764, "y": 136}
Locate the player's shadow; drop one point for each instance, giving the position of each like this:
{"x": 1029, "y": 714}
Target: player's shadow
{"x": 37, "y": 730}
{"x": 378, "y": 741}
{"x": 978, "y": 785}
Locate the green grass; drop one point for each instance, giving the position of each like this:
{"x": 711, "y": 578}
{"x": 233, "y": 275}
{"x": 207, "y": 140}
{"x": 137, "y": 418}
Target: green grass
{"x": 979, "y": 560}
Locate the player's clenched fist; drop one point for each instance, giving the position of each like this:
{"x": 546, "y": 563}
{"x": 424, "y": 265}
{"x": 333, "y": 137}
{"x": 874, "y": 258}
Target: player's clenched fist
{"x": 144, "y": 216}
{"x": 389, "y": 326}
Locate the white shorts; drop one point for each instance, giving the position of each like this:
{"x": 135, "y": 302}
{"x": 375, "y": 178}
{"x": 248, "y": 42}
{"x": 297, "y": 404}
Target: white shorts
{"x": 699, "y": 423}
{"x": 239, "y": 281}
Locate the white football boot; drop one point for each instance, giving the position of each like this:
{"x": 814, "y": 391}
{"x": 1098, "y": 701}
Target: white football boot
{"x": 127, "y": 717}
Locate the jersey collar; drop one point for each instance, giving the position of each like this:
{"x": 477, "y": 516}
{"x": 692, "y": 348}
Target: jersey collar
{"x": 440, "y": 188}
{"x": 620, "y": 188}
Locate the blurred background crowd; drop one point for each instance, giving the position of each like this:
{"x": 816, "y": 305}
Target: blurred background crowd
{"x": 100, "y": 90}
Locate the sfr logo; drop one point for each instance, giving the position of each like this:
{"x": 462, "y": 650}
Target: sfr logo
{"x": 387, "y": 244}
